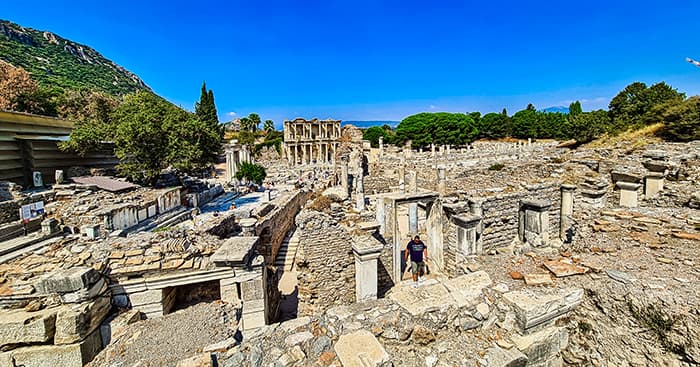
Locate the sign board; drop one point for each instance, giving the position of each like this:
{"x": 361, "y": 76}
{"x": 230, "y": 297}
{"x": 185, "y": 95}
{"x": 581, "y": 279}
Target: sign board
{"x": 31, "y": 211}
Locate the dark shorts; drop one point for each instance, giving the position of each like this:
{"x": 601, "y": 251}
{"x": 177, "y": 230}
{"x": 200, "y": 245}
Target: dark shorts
{"x": 417, "y": 268}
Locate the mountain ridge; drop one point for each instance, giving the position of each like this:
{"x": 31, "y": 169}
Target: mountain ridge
{"x": 54, "y": 61}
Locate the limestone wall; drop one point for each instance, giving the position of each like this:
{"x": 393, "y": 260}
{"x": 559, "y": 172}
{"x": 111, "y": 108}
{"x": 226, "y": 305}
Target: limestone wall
{"x": 500, "y": 218}
{"x": 325, "y": 263}
{"x": 274, "y": 226}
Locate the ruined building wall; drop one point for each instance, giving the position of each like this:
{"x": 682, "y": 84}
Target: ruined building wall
{"x": 325, "y": 263}
{"x": 275, "y": 224}
{"x": 500, "y": 219}
{"x": 385, "y": 267}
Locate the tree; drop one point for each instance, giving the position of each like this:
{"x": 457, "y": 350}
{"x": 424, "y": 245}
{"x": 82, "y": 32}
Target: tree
{"x": 575, "y": 108}
{"x": 373, "y": 134}
{"x": 255, "y": 121}
{"x": 14, "y": 82}
{"x": 92, "y": 112}
{"x": 586, "y": 126}
{"x": 252, "y": 172}
{"x": 269, "y": 125}
{"x": 141, "y": 143}
{"x": 205, "y": 109}
{"x": 494, "y": 126}
{"x": 635, "y": 104}
{"x": 524, "y": 123}
{"x": 246, "y": 124}
{"x": 437, "y": 128}
{"x": 504, "y": 112}
{"x": 683, "y": 120}
{"x": 530, "y": 107}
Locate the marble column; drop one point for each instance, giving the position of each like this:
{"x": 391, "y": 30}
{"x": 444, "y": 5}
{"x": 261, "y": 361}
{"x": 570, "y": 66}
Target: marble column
{"x": 381, "y": 146}
{"x": 566, "y": 212}
{"x": 442, "y": 188}
{"x": 413, "y": 207}
{"x": 360, "y": 191}
{"x": 344, "y": 176}
{"x": 402, "y": 174}
{"x": 366, "y": 256}
{"x": 380, "y": 214}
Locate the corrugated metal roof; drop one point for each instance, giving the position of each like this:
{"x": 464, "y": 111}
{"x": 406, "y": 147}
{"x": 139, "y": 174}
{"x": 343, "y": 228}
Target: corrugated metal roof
{"x": 105, "y": 183}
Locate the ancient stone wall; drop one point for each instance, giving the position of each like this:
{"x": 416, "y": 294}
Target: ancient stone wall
{"x": 9, "y": 210}
{"x": 500, "y": 219}
{"x": 274, "y": 226}
{"x": 385, "y": 267}
{"x": 325, "y": 263}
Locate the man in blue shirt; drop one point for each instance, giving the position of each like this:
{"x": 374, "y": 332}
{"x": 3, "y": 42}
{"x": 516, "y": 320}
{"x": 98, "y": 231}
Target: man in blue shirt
{"x": 417, "y": 251}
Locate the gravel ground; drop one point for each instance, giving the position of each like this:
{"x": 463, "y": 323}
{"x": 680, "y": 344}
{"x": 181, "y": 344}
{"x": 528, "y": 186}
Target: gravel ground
{"x": 166, "y": 340}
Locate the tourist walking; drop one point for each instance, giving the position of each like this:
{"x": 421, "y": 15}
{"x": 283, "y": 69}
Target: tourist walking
{"x": 417, "y": 251}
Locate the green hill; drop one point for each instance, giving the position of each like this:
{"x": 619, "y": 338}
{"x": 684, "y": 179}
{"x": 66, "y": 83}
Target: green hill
{"x": 54, "y": 61}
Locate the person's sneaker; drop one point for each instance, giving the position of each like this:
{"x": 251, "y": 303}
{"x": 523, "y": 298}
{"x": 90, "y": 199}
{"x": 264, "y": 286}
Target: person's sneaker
{"x": 421, "y": 280}
{"x": 414, "y": 285}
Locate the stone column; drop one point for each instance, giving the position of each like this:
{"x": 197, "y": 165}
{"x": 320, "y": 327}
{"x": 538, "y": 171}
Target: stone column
{"x": 628, "y": 193}
{"x": 448, "y": 149}
{"x": 533, "y": 223}
{"x": 229, "y": 166}
{"x": 344, "y": 175}
{"x": 442, "y": 188}
{"x": 567, "y": 210}
{"x": 413, "y": 207}
{"x": 366, "y": 271}
{"x": 476, "y": 208}
{"x": 442, "y": 150}
{"x": 253, "y": 299}
{"x": 380, "y": 214}
{"x": 432, "y": 150}
{"x": 360, "y": 190}
{"x": 333, "y": 153}
{"x": 381, "y": 146}
{"x": 402, "y": 174}
{"x": 653, "y": 184}
{"x": 303, "y": 154}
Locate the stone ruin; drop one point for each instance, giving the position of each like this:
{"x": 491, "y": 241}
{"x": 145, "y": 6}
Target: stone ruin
{"x": 538, "y": 256}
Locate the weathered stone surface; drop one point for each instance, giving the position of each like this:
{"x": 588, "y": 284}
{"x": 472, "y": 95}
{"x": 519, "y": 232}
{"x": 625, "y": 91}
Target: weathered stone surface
{"x": 298, "y": 338}
{"x": 467, "y": 289}
{"x": 360, "y": 349}
{"x": 499, "y": 357}
{"x": 422, "y": 335}
{"x": 68, "y": 280}
{"x": 421, "y": 300}
{"x": 543, "y": 347}
{"x": 19, "y": 326}
{"x": 75, "y": 322}
{"x": 535, "y": 308}
{"x": 199, "y": 360}
{"x": 84, "y": 294}
{"x": 71, "y": 355}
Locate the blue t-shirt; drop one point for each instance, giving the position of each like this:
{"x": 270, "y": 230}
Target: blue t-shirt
{"x": 416, "y": 250}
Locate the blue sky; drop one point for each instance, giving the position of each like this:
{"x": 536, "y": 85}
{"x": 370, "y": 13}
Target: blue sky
{"x": 365, "y": 60}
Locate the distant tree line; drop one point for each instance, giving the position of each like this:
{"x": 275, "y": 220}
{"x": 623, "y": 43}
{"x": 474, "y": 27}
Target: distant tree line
{"x": 634, "y": 107}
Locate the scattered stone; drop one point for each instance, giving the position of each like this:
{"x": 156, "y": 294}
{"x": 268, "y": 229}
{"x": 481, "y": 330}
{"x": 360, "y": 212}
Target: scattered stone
{"x": 483, "y": 310}
{"x": 620, "y": 276}
{"x": 562, "y": 269}
{"x": 422, "y": 335}
{"x": 298, "y": 338}
{"x": 538, "y": 279}
{"x": 498, "y": 356}
{"x": 536, "y": 308}
{"x": 360, "y": 349}
{"x": 199, "y": 360}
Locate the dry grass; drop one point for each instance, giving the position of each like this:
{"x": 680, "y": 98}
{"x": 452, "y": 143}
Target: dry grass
{"x": 633, "y": 139}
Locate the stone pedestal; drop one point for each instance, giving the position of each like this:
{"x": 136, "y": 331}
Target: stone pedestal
{"x": 533, "y": 223}
{"x": 653, "y": 184}
{"x": 248, "y": 226}
{"x": 628, "y": 193}
{"x": 92, "y": 231}
{"x": 366, "y": 271}
{"x": 59, "y": 176}
{"x": 37, "y": 179}
{"x": 567, "y": 210}
{"x": 49, "y": 226}
{"x": 468, "y": 238}
{"x": 442, "y": 188}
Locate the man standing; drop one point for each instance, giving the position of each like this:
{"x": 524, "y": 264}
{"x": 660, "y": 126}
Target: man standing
{"x": 418, "y": 252}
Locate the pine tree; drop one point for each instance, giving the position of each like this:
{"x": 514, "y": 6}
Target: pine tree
{"x": 205, "y": 109}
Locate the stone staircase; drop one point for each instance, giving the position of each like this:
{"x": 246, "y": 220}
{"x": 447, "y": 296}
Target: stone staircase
{"x": 288, "y": 250}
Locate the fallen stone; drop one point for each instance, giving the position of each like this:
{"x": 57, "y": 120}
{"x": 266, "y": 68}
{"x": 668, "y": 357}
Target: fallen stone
{"x": 664, "y": 260}
{"x": 562, "y": 269}
{"x": 84, "y": 294}
{"x": 543, "y": 347}
{"x": 620, "y": 276}
{"x": 360, "y": 349}
{"x": 75, "y": 322}
{"x": 68, "y": 280}
{"x": 221, "y": 346}
{"x": 467, "y": 289}
{"x": 538, "y": 279}
{"x": 535, "y": 308}
{"x": 199, "y": 360}
{"x": 21, "y": 327}
{"x": 687, "y": 236}
{"x": 483, "y": 310}
{"x": 418, "y": 301}
{"x": 516, "y": 275}
{"x": 499, "y": 357}
{"x": 70, "y": 355}
{"x": 293, "y": 324}
{"x": 298, "y": 338}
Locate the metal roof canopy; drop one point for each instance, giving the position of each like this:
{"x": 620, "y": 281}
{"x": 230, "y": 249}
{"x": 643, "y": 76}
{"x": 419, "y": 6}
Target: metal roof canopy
{"x": 105, "y": 183}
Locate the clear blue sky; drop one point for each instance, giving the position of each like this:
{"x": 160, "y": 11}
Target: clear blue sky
{"x": 365, "y": 60}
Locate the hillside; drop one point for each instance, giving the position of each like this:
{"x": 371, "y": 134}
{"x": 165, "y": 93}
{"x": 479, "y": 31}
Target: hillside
{"x": 54, "y": 61}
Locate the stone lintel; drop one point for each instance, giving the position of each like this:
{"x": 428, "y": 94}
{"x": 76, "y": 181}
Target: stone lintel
{"x": 366, "y": 251}
{"x": 234, "y": 250}
{"x": 618, "y": 176}
{"x": 628, "y": 186}
{"x": 466, "y": 220}
{"x": 568, "y": 187}
{"x": 536, "y": 205}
